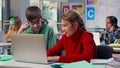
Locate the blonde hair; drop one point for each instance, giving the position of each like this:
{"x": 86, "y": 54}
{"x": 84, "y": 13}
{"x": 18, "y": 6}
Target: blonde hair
{"x": 73, "y": 16}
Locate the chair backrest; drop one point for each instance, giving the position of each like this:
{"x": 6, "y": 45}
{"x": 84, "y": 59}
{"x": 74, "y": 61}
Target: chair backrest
{"x": 104, "y": 52}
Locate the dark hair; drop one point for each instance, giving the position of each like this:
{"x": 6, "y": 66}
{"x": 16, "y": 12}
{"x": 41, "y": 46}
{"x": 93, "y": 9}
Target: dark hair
{"x": 113, "y": 20}
{"x": 72, "y": 16}
{"x": 18, "y": 21}
{"x": 33, "y": 12}
{"x": 45, "y": 20}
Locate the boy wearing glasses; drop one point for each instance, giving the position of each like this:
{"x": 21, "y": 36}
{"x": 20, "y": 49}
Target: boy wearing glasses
{"x": 36, "y": 25}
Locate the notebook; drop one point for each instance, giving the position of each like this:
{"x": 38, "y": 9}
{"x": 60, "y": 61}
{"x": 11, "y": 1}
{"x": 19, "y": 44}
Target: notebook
{"x": 115, "y": 45}
{"x": 29, "y": 48}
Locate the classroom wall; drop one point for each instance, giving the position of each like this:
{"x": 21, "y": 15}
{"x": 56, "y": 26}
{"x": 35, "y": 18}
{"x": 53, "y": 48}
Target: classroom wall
{"x": 74, "y": 2}
{"x": 102, "y": 9}
{"x": 82, "y": 2}
{"x": 18, "y": 7}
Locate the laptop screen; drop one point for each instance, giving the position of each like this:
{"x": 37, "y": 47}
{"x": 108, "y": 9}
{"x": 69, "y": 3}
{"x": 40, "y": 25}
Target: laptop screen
{"x": 29, "y": 48}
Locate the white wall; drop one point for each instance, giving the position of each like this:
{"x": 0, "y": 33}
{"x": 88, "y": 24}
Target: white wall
{"x": 79, "y": 2}
{"x": 104, "y": 8}
{"x": 18, "y": 7}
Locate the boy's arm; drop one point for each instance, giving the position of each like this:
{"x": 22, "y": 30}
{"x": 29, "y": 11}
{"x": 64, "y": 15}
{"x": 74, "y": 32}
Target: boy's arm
{"x": 23, "y": 28}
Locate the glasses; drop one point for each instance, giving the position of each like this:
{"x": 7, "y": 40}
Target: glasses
{"x": 38, "y": 22}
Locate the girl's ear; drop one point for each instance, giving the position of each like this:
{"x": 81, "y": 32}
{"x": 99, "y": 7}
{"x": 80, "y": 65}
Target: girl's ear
{"x": 75, "y": 24}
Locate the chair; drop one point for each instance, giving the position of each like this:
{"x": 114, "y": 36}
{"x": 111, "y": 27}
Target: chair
{"x": 104, "y": 52}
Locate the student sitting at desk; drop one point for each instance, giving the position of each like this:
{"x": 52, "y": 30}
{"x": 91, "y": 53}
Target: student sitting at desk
{"x": 112, "y": 32}
{"x": 37, "y": 25}
{"x": 15, "y": 23}
{"x": 76, "y": 41}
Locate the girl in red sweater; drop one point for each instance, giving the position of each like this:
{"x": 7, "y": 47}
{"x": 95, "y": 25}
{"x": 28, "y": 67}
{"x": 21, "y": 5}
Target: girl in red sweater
{"x": 77, "y": 42}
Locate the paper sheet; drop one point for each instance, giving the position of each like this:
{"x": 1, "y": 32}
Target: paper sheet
{"x": 82, "y": 64}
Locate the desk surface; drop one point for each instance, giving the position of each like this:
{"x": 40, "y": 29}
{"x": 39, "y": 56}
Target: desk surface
{"x": 12, "y": 64}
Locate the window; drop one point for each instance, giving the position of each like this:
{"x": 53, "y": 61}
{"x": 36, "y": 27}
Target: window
{"x": 34, "y": 2}
{"x": 50, "y": 10}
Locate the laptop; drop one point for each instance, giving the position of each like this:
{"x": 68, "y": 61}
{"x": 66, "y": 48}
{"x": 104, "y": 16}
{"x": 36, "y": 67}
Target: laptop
{"x": 29, "y": 48}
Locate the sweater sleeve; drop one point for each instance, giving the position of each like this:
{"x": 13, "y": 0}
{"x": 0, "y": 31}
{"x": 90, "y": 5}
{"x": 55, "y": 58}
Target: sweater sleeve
{"x": 87, "y": 54}
{"x": 56, "y": 49}
{"x": 51, "y": 41}
{"x": 8, "y": 34}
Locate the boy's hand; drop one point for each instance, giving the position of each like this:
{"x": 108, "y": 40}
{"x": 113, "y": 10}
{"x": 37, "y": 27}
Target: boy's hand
{"x": 23, "y": 28}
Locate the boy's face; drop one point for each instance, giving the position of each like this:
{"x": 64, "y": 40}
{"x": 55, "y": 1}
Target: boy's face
{"x": 35, "y": 24}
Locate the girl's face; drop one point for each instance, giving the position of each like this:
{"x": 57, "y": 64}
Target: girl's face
{"x": 69, "y": 28}
{"x": 108, "y": 23}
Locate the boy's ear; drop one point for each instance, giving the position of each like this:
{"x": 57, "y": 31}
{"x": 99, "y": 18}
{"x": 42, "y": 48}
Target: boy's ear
{"x": 75, "y": 24}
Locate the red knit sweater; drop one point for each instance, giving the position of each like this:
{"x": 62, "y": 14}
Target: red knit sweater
{"x": 79, "y": 46}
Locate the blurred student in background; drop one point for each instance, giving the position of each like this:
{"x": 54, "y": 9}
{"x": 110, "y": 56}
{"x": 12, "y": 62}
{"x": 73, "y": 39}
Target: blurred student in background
{"x": 37, "y": 25}
{"x": 15, "y": 23}
{"x": 112, "y": 32}
{"x": 76, "y": 41}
